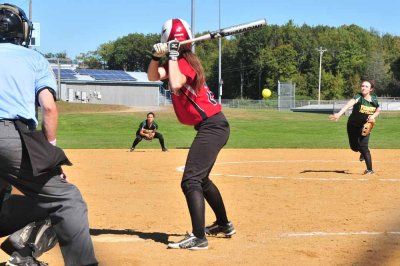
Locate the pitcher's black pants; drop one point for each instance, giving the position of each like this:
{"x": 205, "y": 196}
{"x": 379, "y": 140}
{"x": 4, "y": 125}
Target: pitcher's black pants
{"x": 359, "y": 143}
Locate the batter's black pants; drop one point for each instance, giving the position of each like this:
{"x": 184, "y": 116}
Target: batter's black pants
{"x": 359, "y": 143}
{"x": 212, "y": 135}
{"x": 60, "y": 200}
{"x": 157, "y": 135}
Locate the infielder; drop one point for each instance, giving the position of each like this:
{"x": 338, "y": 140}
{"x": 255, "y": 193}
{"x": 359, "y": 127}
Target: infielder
{"x": 148, "y": 130}
{"x": 365, "y": 109}
{"x": 194, "y": 105}
{"x": 29, "y": 159}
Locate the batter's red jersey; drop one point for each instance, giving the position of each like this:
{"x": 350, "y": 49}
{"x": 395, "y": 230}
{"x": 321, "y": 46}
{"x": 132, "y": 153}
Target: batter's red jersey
{"x": 190, "y": 107}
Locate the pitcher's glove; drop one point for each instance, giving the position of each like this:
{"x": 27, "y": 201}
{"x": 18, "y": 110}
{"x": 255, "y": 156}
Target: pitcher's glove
{"x": 367, "y": 128}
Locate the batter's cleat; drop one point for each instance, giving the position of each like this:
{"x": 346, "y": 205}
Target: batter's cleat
{"x": 369, "y": 172}
{"x": 164, "y": 149}
{"x": 227, "y": 230}
{"x": 190, "y": 242}
{"x": 362, "y": 158}
{"x": 38, "y": 236}
{"x": 132, "y": 149}
{"x": 17, "y": 260}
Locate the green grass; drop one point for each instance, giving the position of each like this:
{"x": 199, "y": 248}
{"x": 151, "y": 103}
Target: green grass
{"x": 94, "y": 126}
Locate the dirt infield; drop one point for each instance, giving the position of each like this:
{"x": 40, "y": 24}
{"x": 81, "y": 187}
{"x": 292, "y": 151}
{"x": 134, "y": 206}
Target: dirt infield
{"x": 290, "y": 207}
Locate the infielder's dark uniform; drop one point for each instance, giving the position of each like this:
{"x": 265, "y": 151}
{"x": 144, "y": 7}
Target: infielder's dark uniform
{"x": 148, "y": 127}
{"x": 361, "y": 111}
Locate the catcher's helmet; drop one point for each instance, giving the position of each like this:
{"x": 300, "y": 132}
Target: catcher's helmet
{"x": 15, "y": 27}
{"x": 175, "y": 29}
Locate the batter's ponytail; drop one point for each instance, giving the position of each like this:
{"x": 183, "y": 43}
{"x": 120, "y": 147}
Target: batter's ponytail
{"x": 194, "y": 62}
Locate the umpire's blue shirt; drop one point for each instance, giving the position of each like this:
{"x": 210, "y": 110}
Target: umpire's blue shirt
{"x": 23, "y": 73}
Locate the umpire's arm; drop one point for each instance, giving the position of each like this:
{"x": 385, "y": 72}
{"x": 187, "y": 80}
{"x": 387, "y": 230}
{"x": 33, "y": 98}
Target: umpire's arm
{"x": 49, "y": 114}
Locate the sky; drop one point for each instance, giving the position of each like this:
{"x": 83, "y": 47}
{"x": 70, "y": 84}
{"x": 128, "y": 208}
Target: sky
{"x": 80, "y": 26}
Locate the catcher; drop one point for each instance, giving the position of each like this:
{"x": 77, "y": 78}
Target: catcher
{"x": 361, "y": 121}
{"x": 28, "y": 226}
{"x": 148, "y": 130}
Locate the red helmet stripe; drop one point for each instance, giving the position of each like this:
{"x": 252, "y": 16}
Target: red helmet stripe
{"x": 178, "y": 31}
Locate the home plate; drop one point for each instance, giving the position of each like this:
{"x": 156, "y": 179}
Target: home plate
{"x": 116, "y": 239}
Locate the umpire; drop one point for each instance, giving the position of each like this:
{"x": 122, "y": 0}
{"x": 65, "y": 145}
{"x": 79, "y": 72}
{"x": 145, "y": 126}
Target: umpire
{"x": 27, "y": 159}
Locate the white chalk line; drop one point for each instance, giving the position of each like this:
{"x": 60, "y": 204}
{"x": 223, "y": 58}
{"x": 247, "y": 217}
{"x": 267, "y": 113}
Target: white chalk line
{"x": 182, "y": 168}
{"x": 302, "y": 161}
{"x": 311, "y": 234}
{"x": 116, "y": 239}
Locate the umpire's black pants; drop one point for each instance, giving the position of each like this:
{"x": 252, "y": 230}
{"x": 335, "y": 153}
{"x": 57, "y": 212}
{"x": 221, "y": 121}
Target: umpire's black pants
{"x": 61, "y": 200}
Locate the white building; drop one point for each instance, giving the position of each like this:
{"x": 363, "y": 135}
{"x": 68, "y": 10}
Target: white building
{"x": 115, "y": 87}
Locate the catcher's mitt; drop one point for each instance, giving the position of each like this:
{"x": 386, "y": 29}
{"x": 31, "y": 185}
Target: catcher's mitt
{"x": 367, "y": 128}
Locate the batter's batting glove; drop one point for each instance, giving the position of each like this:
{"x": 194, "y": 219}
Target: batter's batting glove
{"x": 159, "y": 50}
{"x": 173, "y": 50}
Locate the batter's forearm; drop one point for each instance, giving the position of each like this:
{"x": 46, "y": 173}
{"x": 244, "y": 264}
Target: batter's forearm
{"x": 176, "y": 78}
{"x": 152, "y": 71}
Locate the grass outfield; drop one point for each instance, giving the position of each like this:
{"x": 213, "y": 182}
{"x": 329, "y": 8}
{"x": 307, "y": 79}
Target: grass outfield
{"x": 84, "y": 126}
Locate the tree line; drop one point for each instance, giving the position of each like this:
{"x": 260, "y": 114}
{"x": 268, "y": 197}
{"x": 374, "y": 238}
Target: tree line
{"x": 260, "y": 58}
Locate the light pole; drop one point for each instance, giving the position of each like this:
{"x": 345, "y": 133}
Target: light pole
{"x": 321, "y": 52}
{"x": 219, "y": 55}
{"x": 30, "y": 10}
{"x": 193, "y": 32}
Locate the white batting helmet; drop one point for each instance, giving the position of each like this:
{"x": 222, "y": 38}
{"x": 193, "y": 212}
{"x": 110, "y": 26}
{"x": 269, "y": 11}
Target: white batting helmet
{"x": 175, "y": 29}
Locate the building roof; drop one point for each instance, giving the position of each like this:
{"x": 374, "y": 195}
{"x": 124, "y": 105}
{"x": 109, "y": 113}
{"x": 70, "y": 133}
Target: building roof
{"x": 76, "y": 75}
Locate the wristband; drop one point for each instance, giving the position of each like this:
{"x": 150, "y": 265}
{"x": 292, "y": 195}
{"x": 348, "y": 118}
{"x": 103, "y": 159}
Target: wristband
{"x": 53, "y": 142}
{"x": 155, "y": 58}
{"x": 173, "y": 56}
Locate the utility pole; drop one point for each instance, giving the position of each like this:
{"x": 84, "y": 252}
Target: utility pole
{"x": 241, "y": 81}
{"x": 219, "y": 55}
{"x": 193, "y": 31}
{"x": 30, "y": 10}
{"x": 321, "y": 52}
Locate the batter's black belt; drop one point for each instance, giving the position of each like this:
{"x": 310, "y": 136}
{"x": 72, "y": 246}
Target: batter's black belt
{"x": 44, "y": 157}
